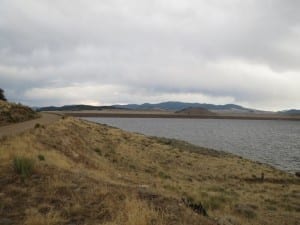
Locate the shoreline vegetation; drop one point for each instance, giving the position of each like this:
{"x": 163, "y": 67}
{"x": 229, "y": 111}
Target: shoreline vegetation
{"x": 78, "y": 172}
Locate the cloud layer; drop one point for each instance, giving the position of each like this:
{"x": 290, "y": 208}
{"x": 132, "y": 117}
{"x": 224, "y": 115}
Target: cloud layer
{"x": 113, "y": 51}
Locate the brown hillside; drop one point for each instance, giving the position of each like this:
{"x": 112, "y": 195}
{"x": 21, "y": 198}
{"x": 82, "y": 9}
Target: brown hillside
{"x": 13, "y": 113}
{"x": 84, "y": 173}
{"x": 196, "y": 111}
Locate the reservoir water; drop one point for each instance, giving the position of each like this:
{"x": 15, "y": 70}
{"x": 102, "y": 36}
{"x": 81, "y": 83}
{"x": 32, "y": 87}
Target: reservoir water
{"x": 274, "y": 142}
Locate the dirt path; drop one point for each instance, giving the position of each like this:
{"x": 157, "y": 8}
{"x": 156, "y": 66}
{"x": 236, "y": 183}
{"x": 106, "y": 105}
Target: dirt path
{"x": 13, "y": 129}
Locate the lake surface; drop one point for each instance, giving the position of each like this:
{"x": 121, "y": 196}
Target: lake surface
{"x": 274, "y": 142}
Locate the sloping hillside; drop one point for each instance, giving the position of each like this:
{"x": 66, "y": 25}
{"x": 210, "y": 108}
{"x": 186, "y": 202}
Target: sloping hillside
{"x": 13, "y": 113}
{"x": 77, "y": 172}
{"x": 196, "y": 112}
{"x": 292, "y": 112}
{"x": 74, "y": 108}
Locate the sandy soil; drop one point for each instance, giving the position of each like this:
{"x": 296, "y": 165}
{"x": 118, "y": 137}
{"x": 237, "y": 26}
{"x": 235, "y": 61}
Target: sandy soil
{"x": 17, "y": 128}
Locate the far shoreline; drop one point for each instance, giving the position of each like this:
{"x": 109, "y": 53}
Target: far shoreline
{"x": 163, "y": 115}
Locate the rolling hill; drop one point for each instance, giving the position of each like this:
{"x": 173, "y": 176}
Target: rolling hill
{"x": 291, "y": 112}
{"x": 73, "y": 108}
{"x": 195, "y": 111}
{"x": 173, "y": 107}
{"x": 177, "y": 106}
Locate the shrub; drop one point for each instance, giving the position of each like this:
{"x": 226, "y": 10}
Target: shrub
{"x": 164, "y": 175}
{"x": 41, "y": 157}
{"x": 3, "y": 138}
{"x": 133, "y": 167}
{"x": 38, "y": 125}
{"x": 196, "y": 206}
{"x": 98, "y": 151}
{"x": 23, "y": 166}
{"x": 2, "y": 96}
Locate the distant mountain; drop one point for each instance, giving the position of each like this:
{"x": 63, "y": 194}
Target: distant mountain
{"x": 177, "y": 106}
{"x": 290, "y": 112}
{"x": 74, "y": 108}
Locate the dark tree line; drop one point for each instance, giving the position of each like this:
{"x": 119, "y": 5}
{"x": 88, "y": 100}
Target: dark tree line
{"x": 2, "y": 97}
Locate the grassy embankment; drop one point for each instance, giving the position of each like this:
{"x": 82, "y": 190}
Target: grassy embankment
{"x": 77, "y": 172}
{"x": 14, "y": 113}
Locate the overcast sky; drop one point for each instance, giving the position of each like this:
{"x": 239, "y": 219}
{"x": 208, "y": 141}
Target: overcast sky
{"x": 56, "y": 52}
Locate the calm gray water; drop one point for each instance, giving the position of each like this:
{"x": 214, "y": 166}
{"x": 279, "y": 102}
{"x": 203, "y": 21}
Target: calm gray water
{"x": 274, "y": 142}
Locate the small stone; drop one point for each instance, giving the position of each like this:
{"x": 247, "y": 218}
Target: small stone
{"x": 297, "y": 174}
{"x": 143, "y": 186}
{"x": 77, "y": 189}
{"x": 6, "y": 221}
{"x": 35, "y": 177}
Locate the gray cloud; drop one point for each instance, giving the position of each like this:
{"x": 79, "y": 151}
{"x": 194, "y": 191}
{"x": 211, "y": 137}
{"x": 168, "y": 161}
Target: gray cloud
{"x": 57, "y": 52}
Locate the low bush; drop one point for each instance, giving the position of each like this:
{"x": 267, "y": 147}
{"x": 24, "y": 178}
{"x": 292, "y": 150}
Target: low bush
{"x": 98, "y": 151}
{"x": 164, "y": 175}
{"x": 41, "y": 157}
{"x": 38, "y": 125}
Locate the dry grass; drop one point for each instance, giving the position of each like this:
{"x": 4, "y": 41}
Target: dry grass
{"x": 34, "y": 217}
{"x": 95, "y": 174}
{"x": 137, "y": 213}
{"x": 13, "y": 113}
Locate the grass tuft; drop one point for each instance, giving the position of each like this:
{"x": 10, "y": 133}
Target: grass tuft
{"x": 23, "y": 166}
{"x": 214, "y": 202}
{"x": 163, "y": 175}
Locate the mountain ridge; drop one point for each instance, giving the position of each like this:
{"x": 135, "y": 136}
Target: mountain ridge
{"x": 73, "y": 108}
{"x": 173, "y": 106}
{"x": 177, "y": 106}
{"x": 290, "y": 112}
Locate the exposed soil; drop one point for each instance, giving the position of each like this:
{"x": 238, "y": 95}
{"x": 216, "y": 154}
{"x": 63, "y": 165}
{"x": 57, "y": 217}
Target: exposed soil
{"x": 17, "y": 128}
